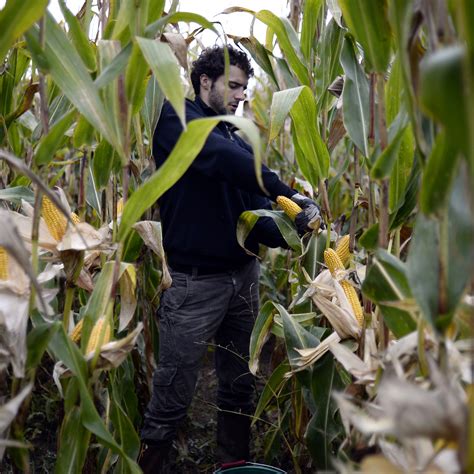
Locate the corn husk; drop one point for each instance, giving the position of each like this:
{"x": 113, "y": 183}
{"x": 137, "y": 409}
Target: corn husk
{"x": 329, "y": 297}
{"x": 111, "y": 356}
{"x": 8, "y": 412}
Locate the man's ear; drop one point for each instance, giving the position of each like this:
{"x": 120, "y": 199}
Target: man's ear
{"x": 205, "y": 82}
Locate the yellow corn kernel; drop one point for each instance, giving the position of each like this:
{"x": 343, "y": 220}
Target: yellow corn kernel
{"x": 77, "y": 331}
{"x": 290, "y": 208}
{"x": 75, "y": 218}
{"x": 351, "y": 294}
{"x": 119, "y": 207}
{"x": 99, "y": 335}
{"x": 342, "y": 249}
{"x": 334, "y": 263}
{"x": 54, "y": 218}
{"x": 3, "y": 264}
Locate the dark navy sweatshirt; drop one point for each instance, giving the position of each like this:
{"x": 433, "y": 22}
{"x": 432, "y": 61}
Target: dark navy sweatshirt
{"x": 199, "y": 213}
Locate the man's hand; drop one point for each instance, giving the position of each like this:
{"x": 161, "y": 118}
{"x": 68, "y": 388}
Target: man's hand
{"x": 310, "y": 217}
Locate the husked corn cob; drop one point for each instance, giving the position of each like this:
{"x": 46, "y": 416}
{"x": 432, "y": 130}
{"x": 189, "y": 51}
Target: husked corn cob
{"x": 77, "y": 331}
{"x": 75, "y": 218}
{"x": 333, "y": 262}
{"x": 100, "y": 334}
{"x": 54, "y": 219}
{"x": 290, "y": 208}
{"x": 3, "y": 264}
{"x": 342, "y": 250}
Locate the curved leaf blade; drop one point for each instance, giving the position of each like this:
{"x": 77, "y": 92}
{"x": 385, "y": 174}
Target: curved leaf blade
{"x": 355, "y": 98}
{"x": 368, "y": 22}
{"x": 166, "y": 69}
{"x": 15, "y": 18}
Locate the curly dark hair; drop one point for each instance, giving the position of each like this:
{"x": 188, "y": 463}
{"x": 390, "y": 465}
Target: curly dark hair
{"x": 211, "y": 63}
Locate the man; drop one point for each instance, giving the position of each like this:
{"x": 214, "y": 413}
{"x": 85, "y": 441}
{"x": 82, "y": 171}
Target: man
{"x": 214, "y": 293}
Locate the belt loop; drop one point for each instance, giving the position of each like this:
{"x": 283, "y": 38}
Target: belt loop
{"x": 195, "y": 272}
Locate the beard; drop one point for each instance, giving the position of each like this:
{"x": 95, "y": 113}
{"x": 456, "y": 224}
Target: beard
{"x": 216, "y": 101}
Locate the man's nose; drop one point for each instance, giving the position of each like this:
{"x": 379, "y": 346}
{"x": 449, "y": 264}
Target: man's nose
{"x": 240, "y": 94}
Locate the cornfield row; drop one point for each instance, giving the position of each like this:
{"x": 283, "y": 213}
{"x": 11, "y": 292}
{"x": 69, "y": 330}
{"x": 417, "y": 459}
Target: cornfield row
{"x": 365, "y": 105}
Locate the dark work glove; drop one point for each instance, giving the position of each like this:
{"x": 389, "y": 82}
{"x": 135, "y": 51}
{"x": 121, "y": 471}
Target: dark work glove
{"x": 310, "y": 217}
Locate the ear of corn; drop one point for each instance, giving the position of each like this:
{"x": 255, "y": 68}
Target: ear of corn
{"x": 342, "y": 250}
{"x": 100, "y": 335}
{"x": 290, "y": 208}
{"x": 77, "y": 331}
{"x": 54, "y": 219}
{"x": 334, "y": 263}
{"x": 119, "y": 207}
{"x": 3, "y": 264}
{"x": 75, "y": 218}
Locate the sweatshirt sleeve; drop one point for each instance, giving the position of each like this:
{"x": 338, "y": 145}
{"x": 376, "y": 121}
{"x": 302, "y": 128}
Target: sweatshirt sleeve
{"x": 220, "y": 158}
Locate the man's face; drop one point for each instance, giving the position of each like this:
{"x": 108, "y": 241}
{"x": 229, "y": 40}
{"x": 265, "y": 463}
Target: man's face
{"x": 222, "y": 101}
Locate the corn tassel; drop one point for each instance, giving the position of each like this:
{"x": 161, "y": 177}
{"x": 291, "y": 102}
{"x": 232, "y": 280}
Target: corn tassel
{"x": 290, "y": 208}
{"x": 334, "y": 263}
{"x": 77, "y": 331}
{"x": 342, "y": 249}
{"x": 54, "y": 219}
{"x": 99, "y": 335}
{"x": 3, "y": 264}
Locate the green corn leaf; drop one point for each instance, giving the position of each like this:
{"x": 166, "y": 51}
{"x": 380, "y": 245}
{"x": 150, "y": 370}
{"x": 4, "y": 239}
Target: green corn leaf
{"x": 409, "y": 201}
{"x": 124, "y": 22}
{"x": 355, "y": 97}
{"x": 324, "y": 426}
{"x": 124, "y": 428}
{"x": 103, "y": 163}
{"x": 368, "y": 22}
{"x": 288, "y": 45}
{"x": 259, "y": 54}
{"x": 329, "y": 53}
{"x": 282, "y": 103}
{"x": 111, "y": 94}
{"x": 37, "y": 342}
{"x": 151, "y": 108}
{"x": 66, "y": 351}
{"x": 442, "y": 93}
{"x": 112, "y": 70}
{"x": 16, "y": 193}
{"x": 248, "y": 219}
{"x": 53, "y": 140}
{"x": 260, "y": 333}
{"x": 309, "y": 25}
{"x": 423, "y": 268}
{"x": 155, "y": 10}
{"x": 83, "y": 133}
{"x": 15, "y": 18}
{"x": 152, "y": 29}
{"x": 299, "y": 103}
{"x": 166, "y": 69}
{"x": 387, "y": 285}
{"x": 272, "y": 389}
{"x": 296, "y": 336}
{"x": 79, "y": 38}
{"x": 135, "y": 78}
{"x": 70, "y": 74}
{"x": 400, "y": 16}
{"x": 385, "y": 162}
{"x": 186, "y": 149}
{"x": 73, "y": 443}
{"x": 438, "y": 175}
{"x": 460, "y": 252}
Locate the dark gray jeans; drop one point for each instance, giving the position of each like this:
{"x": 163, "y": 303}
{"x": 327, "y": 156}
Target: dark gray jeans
{"x": 194, "y": 310}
